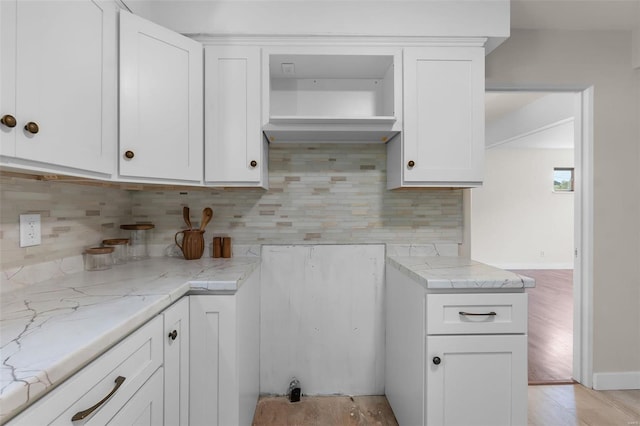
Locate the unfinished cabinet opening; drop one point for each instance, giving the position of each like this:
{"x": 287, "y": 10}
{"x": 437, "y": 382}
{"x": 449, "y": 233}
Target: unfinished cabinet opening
{"x": 332, "y": 97}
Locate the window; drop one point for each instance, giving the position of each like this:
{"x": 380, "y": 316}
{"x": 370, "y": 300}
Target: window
{"x": 563, "y": 179}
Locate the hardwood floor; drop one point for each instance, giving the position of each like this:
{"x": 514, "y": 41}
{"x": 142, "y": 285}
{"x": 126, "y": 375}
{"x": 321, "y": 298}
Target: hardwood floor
{"x": 549, "y": 405}
{"x": 559, "y": 405}
{"x": 550, "y": 330}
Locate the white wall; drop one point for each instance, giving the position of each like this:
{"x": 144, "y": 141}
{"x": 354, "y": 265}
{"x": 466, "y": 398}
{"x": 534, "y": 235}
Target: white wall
{"x": 600, "y": 59}
{"x": 518, "y": 222}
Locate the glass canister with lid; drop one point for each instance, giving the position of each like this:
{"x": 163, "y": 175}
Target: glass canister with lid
{"x": 98, "y": 258}
{"x": 120, "y": 249}
{"x": 138, "y": 240}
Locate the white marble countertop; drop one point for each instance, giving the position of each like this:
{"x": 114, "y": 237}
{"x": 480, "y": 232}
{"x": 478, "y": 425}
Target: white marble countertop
{"x": 50, "y": 330}
{"x": 440, "y": 272}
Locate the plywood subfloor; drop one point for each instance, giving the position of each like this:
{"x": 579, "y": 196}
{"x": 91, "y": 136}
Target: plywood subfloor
{"x": 324, "y": 411}
{"x": 550, "y": 332}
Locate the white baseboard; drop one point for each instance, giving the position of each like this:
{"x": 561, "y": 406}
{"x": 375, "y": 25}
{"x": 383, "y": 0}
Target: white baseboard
{"x": 616, "y": 381}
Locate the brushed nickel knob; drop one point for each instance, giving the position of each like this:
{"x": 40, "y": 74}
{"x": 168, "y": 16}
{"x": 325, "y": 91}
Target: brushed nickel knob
{"x": 411, "y": 163}
{"x": 129, "y": 154}
{"x": 32, "y": 127}
{"x": 253, "y": 163}
{"x": 8, "y": 120}
{"x": 437, "y": 360}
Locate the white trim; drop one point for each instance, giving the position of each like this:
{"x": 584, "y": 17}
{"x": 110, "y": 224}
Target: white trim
{"x": 583, "y": 262}
{"x": 337, "y": 40}
{"x": 531, "y": 132}
{"x": 583, "y": 271}
{"x": 616, "y": 381}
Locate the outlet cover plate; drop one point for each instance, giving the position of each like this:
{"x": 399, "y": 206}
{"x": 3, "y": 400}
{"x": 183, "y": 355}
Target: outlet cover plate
{"x": 30, "y": 234}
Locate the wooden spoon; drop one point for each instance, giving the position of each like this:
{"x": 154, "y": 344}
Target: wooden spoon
{"x": 207, "y": 214}
{"x": 185, "y": 215}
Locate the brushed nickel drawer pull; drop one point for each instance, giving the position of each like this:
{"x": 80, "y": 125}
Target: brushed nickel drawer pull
{"x": 490, "y": 314}
{"x": 84, "y": 414}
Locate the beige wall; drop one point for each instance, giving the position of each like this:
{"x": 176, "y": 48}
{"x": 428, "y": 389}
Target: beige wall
{"x": 518, "y": 221}
{"x": 602, "y": 60}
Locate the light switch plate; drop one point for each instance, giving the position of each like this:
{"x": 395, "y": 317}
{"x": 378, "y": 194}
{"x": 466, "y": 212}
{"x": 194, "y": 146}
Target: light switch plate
{"x": 30, "y": 234}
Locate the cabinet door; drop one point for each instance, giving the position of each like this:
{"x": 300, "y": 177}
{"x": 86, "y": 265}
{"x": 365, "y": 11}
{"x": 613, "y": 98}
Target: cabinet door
{"x": 235, "y": 150}
{"x": 480, "y": 380}
{"x": 443, "y": 138}
{"x": 176, "y": 363}
{"x": 160, "y": 103}
{"x": 145, "y": 406}
{"x": 62, "y": 76}
{"x": 213, "y": 382}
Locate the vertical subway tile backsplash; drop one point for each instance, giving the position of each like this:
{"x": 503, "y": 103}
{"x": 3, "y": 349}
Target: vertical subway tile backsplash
{"x": 325, "y": 193}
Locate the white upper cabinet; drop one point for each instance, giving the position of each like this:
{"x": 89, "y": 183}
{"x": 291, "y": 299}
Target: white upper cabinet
{"x": 235, "y": 149}
{"x": 332, "y": 94}
{"x": 443, "y": 139}
{"x": 161, "y": 113}
{"x": 59, "y": 86}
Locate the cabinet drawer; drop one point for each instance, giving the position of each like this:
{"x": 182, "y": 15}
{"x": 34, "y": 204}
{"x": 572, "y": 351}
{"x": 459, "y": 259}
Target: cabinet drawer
{"x": 476, "y": 313}
{"x": 135, "y": 359}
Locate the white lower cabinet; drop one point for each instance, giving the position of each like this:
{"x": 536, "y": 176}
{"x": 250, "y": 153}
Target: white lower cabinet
{"x": 145, "y": 406}
{"x": 225, "y": 336}
{"x": 476, "y": 380}
{"x": 455, "y": 358}
{"x": 113, "y": 389}
{"x": 176, "y": 363}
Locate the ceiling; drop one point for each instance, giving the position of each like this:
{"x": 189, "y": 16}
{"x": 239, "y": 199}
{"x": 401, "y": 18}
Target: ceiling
{"x": 499, "y": 104}
{"x": 575, "y": 14}
{"x": 556, "y": 133}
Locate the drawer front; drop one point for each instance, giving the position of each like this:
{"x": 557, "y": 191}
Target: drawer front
{"x": 477, "y": 313}
{"x": 135, "y": 359}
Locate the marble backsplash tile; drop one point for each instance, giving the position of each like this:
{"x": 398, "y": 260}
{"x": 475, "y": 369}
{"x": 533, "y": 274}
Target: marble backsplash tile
{"x": 319, "y": 194}
{"x": 324, "y": 194}
{"x": 73, "y": 217}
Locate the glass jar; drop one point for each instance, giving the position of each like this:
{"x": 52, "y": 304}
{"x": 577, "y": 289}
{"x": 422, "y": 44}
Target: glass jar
{"x": 120, "y": 249}
{"x": 138, "y": 241}
{"x": 98, "y": 258}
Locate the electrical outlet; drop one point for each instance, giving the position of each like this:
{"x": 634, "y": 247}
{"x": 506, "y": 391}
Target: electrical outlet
{"x": 30, "y": 234}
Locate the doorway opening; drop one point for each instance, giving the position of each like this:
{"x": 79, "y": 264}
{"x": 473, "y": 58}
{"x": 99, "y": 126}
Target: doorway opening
{"x": 529, "y": 217}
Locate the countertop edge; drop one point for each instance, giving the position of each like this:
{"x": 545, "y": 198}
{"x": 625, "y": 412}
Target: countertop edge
{"x": 20, "y": 394}
{"x": 463, "y": 274}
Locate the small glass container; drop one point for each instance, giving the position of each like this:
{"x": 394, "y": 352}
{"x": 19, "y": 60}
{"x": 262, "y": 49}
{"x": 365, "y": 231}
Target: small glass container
{"x": 138, "y": 244}
{"x": 98, "y": 258}
{"x": 120, "y": 249}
